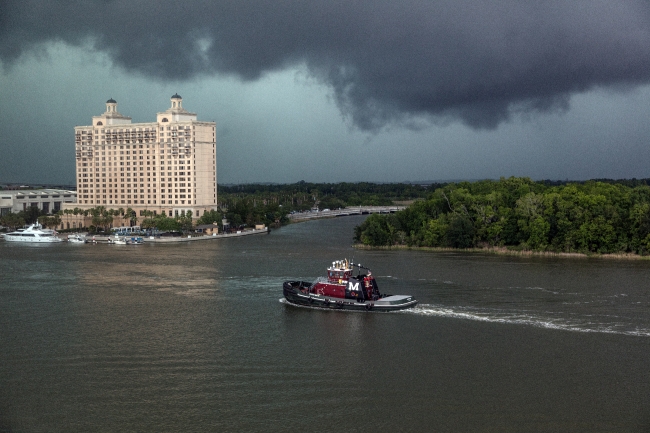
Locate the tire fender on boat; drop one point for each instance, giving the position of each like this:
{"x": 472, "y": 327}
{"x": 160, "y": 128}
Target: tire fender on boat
{"x": 369, "y": 306}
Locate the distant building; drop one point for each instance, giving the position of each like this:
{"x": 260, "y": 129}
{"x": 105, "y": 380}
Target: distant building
{"x": 208, "y": 229}
{"x": 46, "y": 200}
{"x": 167, "y": 166}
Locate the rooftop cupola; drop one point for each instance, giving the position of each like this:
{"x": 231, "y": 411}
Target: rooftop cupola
{"x": 111, "y": 116}
{"x": 176, "y": 112}
{"x": 177, "y": 101}
{"x": 111, "y": 106}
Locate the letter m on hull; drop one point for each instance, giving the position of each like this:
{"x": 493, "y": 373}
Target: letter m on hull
{"x": 353, "y": 287}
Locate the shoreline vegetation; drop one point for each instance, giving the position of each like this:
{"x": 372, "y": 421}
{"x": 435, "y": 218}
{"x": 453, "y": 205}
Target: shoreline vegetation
{"x": 510, "y": 216}
{"x": 506, "y": 252}
{"x": 245, "y": 205}
{"x": 518, "y": 216}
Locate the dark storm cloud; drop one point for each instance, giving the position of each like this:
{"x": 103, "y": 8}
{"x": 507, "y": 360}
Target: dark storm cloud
{"x": 386, "y": 61}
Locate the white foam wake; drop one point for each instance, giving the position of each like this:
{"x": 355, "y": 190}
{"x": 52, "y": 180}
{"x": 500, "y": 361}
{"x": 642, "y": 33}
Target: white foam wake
{"x": 529, "y": 320}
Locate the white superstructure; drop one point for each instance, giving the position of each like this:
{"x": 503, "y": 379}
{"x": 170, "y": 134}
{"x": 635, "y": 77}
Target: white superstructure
{"x": 33, "y": 233}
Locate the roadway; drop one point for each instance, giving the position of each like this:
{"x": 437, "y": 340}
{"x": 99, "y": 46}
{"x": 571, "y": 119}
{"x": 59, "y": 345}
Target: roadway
{"x": 354, "y": 210}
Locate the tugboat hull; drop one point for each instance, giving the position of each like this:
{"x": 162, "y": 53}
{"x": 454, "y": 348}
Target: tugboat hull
{"x": 298, "y": 293}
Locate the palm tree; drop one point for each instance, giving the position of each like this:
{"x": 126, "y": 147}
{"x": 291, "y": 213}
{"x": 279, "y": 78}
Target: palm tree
{"x": 101, "y": 217}
{"x": 56, "y": 219}
{"x": 130, "y": 214}
{"x": 108, "y": 220}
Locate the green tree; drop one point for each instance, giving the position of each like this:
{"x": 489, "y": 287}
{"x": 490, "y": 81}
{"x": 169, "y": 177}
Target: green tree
{"x": 185, "y": 221}
{"x": 374, "y": 231}
{"x": 31, "y": 214}
{"x": 210, "y": 217}
{"x": 12, "y": 220}
{"x": 131, "y": 216}
{"x": 460, "y": 233}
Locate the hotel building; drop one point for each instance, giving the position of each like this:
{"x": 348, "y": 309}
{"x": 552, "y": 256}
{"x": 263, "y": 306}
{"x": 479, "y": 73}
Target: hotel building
{"x": 167, "y": 166}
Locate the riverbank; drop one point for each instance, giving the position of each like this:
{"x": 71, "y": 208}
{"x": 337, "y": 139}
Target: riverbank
{"x": 187, "y": 238}
{"x": 508, "y": 252}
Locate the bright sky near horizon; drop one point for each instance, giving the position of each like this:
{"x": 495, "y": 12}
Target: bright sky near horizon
{"x": 378, "y": 91}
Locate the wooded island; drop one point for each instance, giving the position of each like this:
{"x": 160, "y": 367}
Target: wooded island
{"x": 520, "y": 214}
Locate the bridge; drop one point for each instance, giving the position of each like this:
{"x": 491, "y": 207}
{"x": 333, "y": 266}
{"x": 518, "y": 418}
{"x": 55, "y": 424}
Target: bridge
{"x": 354, "y": 210}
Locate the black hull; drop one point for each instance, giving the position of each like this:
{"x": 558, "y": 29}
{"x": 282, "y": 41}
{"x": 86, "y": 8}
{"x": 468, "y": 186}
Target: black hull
{"x": 294, "y": 295}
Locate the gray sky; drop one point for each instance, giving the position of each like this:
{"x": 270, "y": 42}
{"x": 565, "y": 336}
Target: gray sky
{"x": 334, "y": 91}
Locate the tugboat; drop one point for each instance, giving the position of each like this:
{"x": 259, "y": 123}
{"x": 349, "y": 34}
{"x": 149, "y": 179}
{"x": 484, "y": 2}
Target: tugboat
{"x": 340, "y": 290}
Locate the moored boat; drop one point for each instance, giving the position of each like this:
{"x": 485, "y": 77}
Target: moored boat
{"x": 342, "y": 290}
{"x": 77, "y": 239}
{"x": 117, "y": 240}
{"x": 33, "y": 233}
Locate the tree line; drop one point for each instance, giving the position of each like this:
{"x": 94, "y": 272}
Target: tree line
{"x": 270, "y": 204}
{"x": 600, "y": 216}
{"x": 303, "y": 195}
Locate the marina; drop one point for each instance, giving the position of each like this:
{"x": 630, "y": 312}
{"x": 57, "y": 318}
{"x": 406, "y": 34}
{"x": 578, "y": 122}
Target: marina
{"x": 51, "y": 236}
{"x": 181, "y": 238}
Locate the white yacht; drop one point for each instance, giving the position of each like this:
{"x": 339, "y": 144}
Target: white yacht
{"x": 33, "y": 233}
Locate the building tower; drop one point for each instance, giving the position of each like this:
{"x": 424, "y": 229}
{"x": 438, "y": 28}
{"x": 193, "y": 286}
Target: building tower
{"x": 167, "y": 166}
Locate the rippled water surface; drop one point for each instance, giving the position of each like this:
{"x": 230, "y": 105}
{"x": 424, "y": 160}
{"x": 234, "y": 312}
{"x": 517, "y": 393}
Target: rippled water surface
{"x": 194, "y": 337}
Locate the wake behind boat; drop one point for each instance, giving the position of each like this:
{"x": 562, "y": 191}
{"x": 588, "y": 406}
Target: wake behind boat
{"x": 33, "y": 233}
{"x": 342, "y": 291}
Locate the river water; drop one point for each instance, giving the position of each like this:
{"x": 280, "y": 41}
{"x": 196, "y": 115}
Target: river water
{"x": 194, "y": 337}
